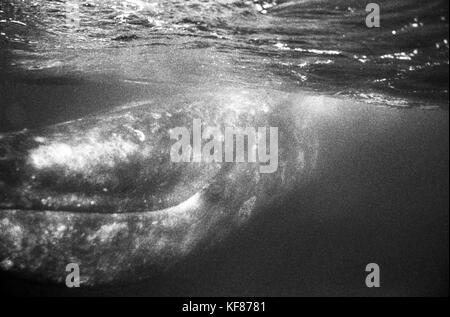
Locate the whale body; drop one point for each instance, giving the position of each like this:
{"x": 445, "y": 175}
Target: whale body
{"x": 102, "y": 192}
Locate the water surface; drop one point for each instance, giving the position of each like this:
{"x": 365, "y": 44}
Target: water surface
{"x": 64, "y": 59}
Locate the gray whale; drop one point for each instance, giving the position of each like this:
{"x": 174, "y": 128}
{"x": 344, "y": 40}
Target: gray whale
{"x": 102, "y": 192}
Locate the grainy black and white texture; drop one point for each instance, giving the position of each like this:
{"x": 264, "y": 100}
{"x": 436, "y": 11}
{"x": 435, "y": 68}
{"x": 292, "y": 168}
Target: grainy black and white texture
{"x": 90, "y": 90}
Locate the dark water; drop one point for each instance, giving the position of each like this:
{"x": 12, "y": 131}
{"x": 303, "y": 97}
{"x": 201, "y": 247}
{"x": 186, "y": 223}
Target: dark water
{"x": 113, "y": 51}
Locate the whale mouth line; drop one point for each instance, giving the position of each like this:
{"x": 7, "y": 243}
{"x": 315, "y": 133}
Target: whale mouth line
{"x": 68, "y": 211}
{"x": 33, "y": 210}
{"x": 186, "y": 204}
{"x": 91, "y": 207}
{"x": 75, "y": 203}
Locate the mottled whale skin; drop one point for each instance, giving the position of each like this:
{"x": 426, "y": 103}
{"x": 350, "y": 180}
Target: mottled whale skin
{"x": 102, "y": 192}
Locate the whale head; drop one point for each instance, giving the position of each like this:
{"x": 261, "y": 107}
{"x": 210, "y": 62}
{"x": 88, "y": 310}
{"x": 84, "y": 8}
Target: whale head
{"x": 103, "y": 192}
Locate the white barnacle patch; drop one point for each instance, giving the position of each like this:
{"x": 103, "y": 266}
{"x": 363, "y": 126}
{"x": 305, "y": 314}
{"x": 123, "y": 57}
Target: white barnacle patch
{"x": 39, "y": 139}
{"x": 91, "y": 152}
{"x": 246, "y": 209}
{"x": 53, "y": 231}
{"x": 107, "y": 232}
{"x": 11, "y": 233}
{"x": 139, "y": 134}
{"x": 6, "y": 264}
{"x": 59, "y": 230}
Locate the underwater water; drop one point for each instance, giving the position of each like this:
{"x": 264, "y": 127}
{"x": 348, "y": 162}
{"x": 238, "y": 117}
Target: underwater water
{"x": 379, "y": 99}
